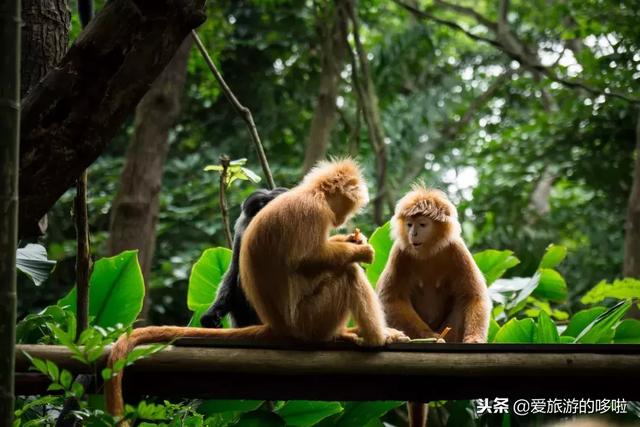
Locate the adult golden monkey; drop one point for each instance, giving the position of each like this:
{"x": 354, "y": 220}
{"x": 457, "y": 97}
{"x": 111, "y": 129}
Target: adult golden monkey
{"x": 302, "y": 283}
{"x": 431, "y": 281}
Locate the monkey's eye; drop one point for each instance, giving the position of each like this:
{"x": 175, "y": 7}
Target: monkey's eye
{"x": 409, "y": 224}
{"x": 423, "y": 225}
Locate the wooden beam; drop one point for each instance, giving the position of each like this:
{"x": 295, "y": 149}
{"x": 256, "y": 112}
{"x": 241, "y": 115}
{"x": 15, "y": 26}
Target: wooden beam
{"x": 353, "y": 374}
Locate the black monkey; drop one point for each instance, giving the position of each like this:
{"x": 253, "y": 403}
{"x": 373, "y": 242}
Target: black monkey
{"x": 230, "y": 297}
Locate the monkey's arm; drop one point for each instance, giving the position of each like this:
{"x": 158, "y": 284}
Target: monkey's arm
{"x": 334, "y": 254}
{"x": 476, "y": 318}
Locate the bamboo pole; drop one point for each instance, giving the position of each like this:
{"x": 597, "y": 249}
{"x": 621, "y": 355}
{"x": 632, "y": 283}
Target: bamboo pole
{"x": 9, "y": 149}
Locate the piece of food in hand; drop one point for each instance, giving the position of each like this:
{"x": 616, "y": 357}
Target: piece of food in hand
{"x": 444, "y": 332}
{"x": 357, "y": 237}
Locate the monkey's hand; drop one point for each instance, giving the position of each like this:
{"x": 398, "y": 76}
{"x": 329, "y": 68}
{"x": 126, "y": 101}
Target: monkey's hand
{"x": 357, "y": 237}
{"x": 364, "y": 253}
{"x": 211, "y": 319}
{"x": 394, "y": 335}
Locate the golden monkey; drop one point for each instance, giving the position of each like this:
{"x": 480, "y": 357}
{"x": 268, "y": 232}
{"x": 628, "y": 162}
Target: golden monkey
{"x": 431, "y": 280}
{"x": 302, "y": 283}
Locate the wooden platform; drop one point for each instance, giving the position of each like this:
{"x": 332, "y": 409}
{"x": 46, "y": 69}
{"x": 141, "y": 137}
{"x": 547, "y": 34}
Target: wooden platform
{"x": 420, "y": 372}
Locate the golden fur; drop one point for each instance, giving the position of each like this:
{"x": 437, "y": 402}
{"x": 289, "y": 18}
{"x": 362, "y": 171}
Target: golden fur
{"x": 427, "y": 288}
{"x": 302, "y": 283}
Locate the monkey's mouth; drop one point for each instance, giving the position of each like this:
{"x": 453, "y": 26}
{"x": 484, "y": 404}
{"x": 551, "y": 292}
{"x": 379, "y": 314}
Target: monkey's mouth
{"x": 415, "y": 245}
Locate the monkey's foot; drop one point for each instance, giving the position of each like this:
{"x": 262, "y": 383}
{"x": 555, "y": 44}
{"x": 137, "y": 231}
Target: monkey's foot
{"x": 348, "y": 336}
{"x": 394, "y": 335}
{"x": 475, "y": 340}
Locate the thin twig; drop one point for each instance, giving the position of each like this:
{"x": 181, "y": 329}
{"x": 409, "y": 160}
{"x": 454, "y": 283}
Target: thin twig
{"x": 224, "y": 162}
{"x": 242, "y": 111}
{"x": 83, "y": 258}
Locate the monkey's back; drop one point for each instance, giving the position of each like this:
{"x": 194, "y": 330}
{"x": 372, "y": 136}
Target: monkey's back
{"x": 277, "y": 237}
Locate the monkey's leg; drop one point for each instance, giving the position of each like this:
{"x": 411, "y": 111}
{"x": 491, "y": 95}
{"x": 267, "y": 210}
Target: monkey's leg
{"x": 366, "y": 310}
{"x": 162, "y": 334}
{"x": 468, "y": 320}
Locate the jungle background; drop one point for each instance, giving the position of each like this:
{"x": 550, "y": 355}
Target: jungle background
{"x": 524, "y": 112}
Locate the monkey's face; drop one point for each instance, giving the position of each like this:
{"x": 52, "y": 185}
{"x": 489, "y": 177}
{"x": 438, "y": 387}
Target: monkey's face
{"x": 420, "y": 230}
{"x": 342, "y": 207}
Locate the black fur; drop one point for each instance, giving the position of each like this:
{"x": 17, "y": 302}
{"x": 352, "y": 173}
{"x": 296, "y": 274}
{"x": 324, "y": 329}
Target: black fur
{"x": 230, "y": 297}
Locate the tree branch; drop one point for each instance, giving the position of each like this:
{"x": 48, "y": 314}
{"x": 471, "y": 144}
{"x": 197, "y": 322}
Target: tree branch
{"x": 516, "y": 52}
{"x": 242, "y": 111}
{"x": 69, "y": 118}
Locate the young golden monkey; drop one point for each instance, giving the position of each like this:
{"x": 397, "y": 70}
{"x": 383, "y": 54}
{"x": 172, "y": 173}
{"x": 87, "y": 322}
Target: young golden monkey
{"x": 431, "y": 281}
{"x": 302, "y": 283}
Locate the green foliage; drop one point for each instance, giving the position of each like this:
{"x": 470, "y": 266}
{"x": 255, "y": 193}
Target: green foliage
{"x": 619, "y": 289}
{"x": 382, "y": 243}
{"x": 494, "y": 264}
{"x": 205, "y": 277}
{"x": 307, "y": 413}
{"x": 116, "y": 291}
{"x": 235, "y": 171}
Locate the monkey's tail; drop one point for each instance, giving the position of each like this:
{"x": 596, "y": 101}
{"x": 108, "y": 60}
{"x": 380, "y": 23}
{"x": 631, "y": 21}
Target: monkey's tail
{"x": 159, "y": 334}
{"x": 418, "y": 413}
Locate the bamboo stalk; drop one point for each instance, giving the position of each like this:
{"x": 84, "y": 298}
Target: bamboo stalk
{"x": 9, "y": 152}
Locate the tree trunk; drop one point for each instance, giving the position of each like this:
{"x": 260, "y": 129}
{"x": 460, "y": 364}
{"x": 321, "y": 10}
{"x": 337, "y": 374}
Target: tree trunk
{"x": 371, "y": 112}
{"x": 45, "y": 37}
{"x": 9, "y": 148}
{"x": 332, "y": 45}
{"x": 71, "y": 115}
{"x": 632, "y": 226}
{"x": 135, "y": 209}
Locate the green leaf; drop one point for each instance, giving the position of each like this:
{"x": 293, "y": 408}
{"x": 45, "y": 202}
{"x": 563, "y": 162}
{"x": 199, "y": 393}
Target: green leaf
{"x": 553, "y": 256}
{"x": 307, "y": 413}
{"x": 628, "y": 332}
{"x": 116, "y": 291}
{"x": 552, "y": 286}
{"x": 216, "y": 168}
{"x": 53, "y": 371}
{"x": 32, "y": 260}
{"x": 516, "y": 331}
{"x": 494, "y": 327}
{"x": 382, "y": 243}
{"x": 260, "y": 419}
{"x": 206, "y": 275}
{"x": 601, "y": 329}
{"x": 238, "y": 162}
{"x": 251, "y": 175}
{"x": 65, "y": 379}
{"x": 546, "y": 330}
{"x": 494, "y": 263}
{"x": 581, "y": 320}
{"x": 619, "y": 289}
{"x": 209, "y": 407}
{"x": 360, "y": 413}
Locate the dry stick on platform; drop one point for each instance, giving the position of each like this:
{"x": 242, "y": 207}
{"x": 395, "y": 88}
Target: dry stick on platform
{"x": 243, "y": 111}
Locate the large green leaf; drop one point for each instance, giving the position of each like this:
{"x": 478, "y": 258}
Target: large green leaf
{"x": 307, "y": 413}
{"x": 32, "y": 260}
{"x": 552, "y": 286}
{"x": 516, "y": 331}
{"x": 494, "y": 263}
{"x": 260, "y": 419}
{"x": 628, "y": 332}
{"x": 205, "y": 277}
{"x": 494, "y": 327}
{"x": 360, "y": 413}
{"x": 553, "y": 256}
{"x": 581, "y": 320}
{"x": 619, "y": 289}
{"x": 116, "y": 291}
{"x": 382, "y": 243}
{"x": 209, "y": 407}
{"x": 601, "y": 330}
{"x": 546, "y": 330}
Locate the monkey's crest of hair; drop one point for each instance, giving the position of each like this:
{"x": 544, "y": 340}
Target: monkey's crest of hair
{"x": 425, "y": 201}
{"x": 338, "y": 176}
